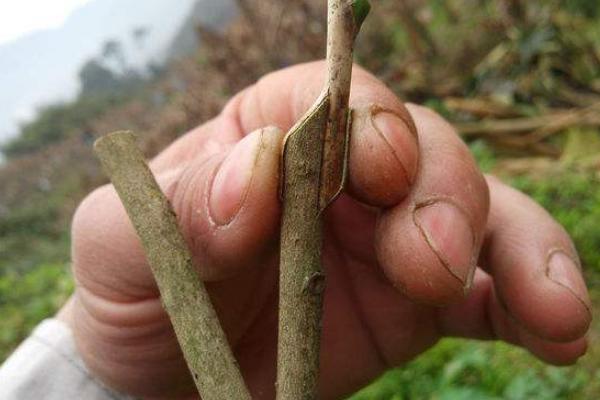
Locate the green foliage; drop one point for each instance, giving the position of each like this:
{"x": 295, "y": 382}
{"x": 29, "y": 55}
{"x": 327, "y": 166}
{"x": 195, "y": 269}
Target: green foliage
{"x": 361, "y": 9}
{"x": 25, "y": 252}
{"x": 464, "y": 370}
{"x": 96, "y": 78}
{"x": 590, "y": 9}
{"x": 57, "y": 122}
{"x": 573, "y": 198}
{"x": 32, "y": 232}
{"x": 543, "y": 55}
{"x": 101, "y": 89}
{"x": 99, "y": 81}
{"x": 26, "y": 299}
{"x": 581, "y": 144}
{"x": 484, "y": 154}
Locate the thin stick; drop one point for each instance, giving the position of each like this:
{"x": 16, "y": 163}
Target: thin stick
{"x": 203, "y": 342}
{"x": 344, "y": 21}
{"x": 314, "y": 171}
{"x": 557, "y": 120}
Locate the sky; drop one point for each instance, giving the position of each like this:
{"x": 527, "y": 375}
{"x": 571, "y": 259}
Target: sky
{"x": 17, "y": 18}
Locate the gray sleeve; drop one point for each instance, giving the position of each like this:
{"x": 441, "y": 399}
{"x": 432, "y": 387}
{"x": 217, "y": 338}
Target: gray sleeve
{"x": 48, "y": 366}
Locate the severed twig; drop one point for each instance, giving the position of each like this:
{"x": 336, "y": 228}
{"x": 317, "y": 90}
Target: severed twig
{"x": 184, "y": 297}
{"x": 542, "y": 124}
{"x": 314, "y": 173}
{"x": 481, "y": 107}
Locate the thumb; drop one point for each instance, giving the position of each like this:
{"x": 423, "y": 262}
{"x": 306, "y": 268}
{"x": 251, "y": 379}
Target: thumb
{"x": 227, "y": 208}
{"x": 232, "y": 208}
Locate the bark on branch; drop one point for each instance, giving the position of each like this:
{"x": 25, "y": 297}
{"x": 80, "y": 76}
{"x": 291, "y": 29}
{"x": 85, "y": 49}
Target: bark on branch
{"x": 184, "y": 297}
{"x": 314, "y": 173}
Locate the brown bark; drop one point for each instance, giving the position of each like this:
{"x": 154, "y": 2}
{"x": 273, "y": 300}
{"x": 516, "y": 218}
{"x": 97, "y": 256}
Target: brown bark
{"x": 314, "y": 171}
{"x": 184, "y": 297}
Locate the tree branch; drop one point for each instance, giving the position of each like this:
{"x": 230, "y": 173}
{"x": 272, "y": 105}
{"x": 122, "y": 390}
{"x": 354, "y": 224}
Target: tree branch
{"x": 184, "y": 297}
{"x": 314, "y": 173}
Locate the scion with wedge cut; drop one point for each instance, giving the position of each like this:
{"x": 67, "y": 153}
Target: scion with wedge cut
{"x": 314, "y": 172}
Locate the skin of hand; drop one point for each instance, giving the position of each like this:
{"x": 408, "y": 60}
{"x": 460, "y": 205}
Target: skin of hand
{"x": 421, "y": 246}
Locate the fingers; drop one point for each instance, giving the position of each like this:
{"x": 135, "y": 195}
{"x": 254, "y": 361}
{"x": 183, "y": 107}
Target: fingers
{"x": 561, "y": 354}
{"x": 535, "y": 267}
{"x": 535, "y": 295}
{"x": 383, "y": 155}
{"x": 448, "y": 204}
{"x": 383, "y": 148}
{"x": 383, "y": 136}
{"x": 222, "y": 217}
{"x": 482, "y": 316}
{"x": 226, "y": 205}
{"x": 428, "y": 244}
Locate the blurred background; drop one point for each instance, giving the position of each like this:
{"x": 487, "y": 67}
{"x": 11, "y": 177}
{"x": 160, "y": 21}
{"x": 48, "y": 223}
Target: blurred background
{"x": 520, "y": 79}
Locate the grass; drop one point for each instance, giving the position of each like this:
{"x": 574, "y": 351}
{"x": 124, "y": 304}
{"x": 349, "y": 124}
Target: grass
{"x": 28, "y": 298}
{"x": 464, "y": 370}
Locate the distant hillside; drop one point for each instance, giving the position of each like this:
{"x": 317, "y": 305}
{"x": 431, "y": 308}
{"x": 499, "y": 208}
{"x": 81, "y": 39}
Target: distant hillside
{"x": 203, "y": 13}
{"x": 42, "y": 67}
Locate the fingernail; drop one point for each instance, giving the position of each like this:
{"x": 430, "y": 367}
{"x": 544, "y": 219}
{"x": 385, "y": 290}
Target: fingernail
{"x": 565, "y": 272}
{"x": 232, "y": 181}
{"x": 400, "y": 138}
{"x": 450, "y": 236}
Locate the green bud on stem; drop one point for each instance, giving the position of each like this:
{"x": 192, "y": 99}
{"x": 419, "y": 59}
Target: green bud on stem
{"x": 361, "y": 9}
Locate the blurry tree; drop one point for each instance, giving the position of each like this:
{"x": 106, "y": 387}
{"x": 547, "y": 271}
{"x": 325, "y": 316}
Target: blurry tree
{"x": 112, "y": 52}
{"x": 56, "y": 122}
{"x": 95, "y": 78}
{"x": 587, "y": 8}
{"x": 140, "y": 34}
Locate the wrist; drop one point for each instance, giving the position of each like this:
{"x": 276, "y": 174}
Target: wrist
{"x": 65, "y": 314}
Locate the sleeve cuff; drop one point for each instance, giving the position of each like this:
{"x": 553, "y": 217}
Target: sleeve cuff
{"x": 48, "y": 366}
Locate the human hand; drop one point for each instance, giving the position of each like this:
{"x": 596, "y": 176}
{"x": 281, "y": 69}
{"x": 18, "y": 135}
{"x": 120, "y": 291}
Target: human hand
{"x": 418, "y": 216}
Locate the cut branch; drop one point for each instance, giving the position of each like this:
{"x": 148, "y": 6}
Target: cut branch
{"x": 314, "y": 173}
{"x": 542, "y": 125}
{"x": 344, "y": 22}
{"x": 183, "y": 294}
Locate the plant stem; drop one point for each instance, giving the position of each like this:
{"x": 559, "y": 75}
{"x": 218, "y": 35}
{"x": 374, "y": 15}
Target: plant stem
{"x": 184, "y": 297}
{"x": 344, "y": 21}
{"x": 314, "y": 173}
{"x": 301, "y": 280}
